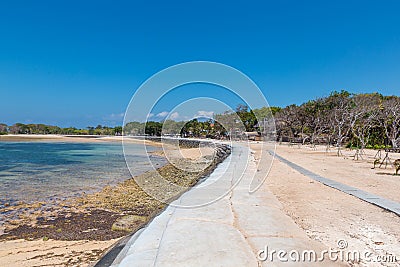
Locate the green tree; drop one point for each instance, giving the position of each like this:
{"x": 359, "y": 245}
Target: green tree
{"x": 3, "y": 129}
{"x": 90, "y": 130}
{"x": 118, "y": 130}
{"x": 153, "y": 128}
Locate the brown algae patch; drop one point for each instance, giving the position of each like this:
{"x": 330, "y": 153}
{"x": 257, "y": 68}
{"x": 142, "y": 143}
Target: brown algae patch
{"x": 111, "y": 213}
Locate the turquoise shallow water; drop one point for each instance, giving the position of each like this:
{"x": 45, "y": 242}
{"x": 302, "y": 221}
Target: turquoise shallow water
{"x": 33, "y": 171}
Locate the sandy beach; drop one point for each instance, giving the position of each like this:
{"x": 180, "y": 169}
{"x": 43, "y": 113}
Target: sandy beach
{"x": 325, "y": 214}
{"x": 52, "y": 252}
{"x": 328, "y": 215}
{"x": 73, "y": 138}
{"x": 77, "y": 231}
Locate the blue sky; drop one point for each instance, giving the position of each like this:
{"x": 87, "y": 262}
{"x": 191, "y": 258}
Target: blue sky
{"x": 79, "y": 62}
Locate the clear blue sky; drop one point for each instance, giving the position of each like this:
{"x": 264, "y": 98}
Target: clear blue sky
{"x": 79, "y": 62}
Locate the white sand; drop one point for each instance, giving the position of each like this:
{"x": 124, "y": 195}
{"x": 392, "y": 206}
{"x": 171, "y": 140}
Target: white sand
{"x": 51, "y": 252}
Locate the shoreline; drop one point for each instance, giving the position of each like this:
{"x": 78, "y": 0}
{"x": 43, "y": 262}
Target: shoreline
{"x": 57, "y": 198}
{"x": 100, "y": 218}
{"x": 326, "y": 215}
{"x": 75, "y": 138}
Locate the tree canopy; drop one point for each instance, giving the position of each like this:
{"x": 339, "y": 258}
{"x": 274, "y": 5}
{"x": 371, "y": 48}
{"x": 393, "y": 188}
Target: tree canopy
{"x": 342, "y": 118}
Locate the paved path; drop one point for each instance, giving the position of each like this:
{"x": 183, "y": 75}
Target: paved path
{"x": 363, "y": 195}
{"x": 228, "y": 232}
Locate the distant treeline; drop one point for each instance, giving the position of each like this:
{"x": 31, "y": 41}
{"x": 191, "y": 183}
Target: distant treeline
{"x": 342, "y": 118}
{"x": 20, "y": 128}
{"x": 221, "y": 126}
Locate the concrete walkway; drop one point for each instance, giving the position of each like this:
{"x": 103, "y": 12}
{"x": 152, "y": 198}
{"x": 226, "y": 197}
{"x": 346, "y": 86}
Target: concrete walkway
{"x": 227, "y": 232}
{"x": 363, "y": 195}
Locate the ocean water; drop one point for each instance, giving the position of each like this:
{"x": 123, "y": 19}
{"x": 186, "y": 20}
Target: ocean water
{"x": 40, "y": 171}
